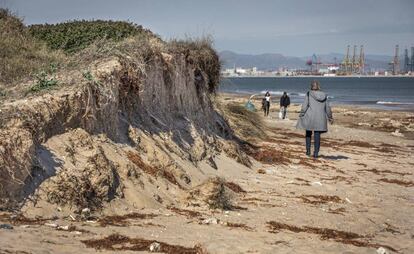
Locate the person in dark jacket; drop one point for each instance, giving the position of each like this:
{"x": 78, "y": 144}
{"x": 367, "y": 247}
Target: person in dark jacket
{"x": 284, "y": 104}
{"x": 313, "y": 117}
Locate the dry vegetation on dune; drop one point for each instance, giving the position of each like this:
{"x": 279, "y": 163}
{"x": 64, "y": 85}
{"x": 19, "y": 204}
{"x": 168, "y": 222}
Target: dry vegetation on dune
{"x": 104, "y": 78}
{"x": 245, "y": 123}
{"x": 28, "y": 52}
{"x": 21, "y": 55}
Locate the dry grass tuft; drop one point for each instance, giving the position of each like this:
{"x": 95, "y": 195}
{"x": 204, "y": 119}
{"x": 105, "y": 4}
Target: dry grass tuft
{"x": 245, "y": 123}
{"x": 214, "y": 193}
{"x": 201, "y": 54}
{"x": 21, "y": 55}
{"x": 235, "y": 187}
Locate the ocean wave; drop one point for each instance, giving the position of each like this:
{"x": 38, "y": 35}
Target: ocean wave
{"x": 272, "y": 92}
{"x": 394, "y": 103}
{"x": 298, "y": 94}
{"x": 281, "y": 93}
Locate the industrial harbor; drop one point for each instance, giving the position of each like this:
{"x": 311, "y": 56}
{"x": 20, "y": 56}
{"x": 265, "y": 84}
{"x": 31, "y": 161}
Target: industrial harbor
{"x": 353, "y": 64}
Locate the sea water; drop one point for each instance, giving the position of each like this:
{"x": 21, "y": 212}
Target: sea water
{"x": 379, "y": 92}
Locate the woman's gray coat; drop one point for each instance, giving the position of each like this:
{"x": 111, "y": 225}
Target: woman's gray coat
{"x": 315, "y": 112}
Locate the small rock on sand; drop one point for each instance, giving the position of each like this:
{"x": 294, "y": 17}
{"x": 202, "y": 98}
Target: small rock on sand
{"x": 6, "y": 226}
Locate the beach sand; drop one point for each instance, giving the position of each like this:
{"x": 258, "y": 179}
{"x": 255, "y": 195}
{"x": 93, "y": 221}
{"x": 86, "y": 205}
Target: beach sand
{"x": 356, "y": 198}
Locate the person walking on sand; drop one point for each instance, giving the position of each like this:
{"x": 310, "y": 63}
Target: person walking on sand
{"x": 284, "y": 104}
{"x": 313, "y": 117}
{"x": 267, "y": 103}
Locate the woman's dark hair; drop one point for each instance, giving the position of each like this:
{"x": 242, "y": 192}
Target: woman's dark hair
{"x": 315, "y": 85}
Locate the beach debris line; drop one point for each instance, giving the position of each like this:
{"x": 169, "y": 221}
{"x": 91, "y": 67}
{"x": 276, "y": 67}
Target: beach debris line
{"x": 238, "y": 225}
{"x": 396, "y": 181}
{"x": 19, "y": 219}
{"x": 116, "y": 242}
{"x": 320, "y": 199}
{"x": 327, "y": 234}
{"x": 123, "y": 220}
{"x": 188, "y": 213}
{"x": 386, "y": 171}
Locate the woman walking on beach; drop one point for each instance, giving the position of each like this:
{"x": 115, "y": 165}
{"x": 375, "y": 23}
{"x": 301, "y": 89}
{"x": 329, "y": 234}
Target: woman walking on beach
{"x": 267, "y": 103}
{"x": 313, "y": 117}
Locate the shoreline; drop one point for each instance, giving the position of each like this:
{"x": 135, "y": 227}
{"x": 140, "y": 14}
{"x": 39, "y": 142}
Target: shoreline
{"x": 318, "y": 76}
{"x": 379, "y": 107}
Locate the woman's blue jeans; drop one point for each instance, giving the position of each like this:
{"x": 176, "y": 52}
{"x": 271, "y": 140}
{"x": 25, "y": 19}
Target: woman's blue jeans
{"x": 317, "y": 142}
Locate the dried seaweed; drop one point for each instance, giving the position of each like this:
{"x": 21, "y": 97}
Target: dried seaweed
{"x": 239, "y": 225}
{"x": 359, "y": 144}
{"x": 379, "y": 172}
{"x": 340, "y": 210}
{"x": 22, "y": 220}
{"x": 270, "y": 155}
{"x": 320, "y": 199}
{"x": 117, "y": 242}
{"x": 188, "y": 213}
{"x": 327, "y": 234}
{"x": 122, "y": 220}
{"x": 399, "y": 182}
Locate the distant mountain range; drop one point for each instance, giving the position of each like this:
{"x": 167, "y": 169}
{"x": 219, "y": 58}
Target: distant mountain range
{"x": 272, "y": 61}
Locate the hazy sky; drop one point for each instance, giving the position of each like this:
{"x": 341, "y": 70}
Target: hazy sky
{"x": 290, "y": 27}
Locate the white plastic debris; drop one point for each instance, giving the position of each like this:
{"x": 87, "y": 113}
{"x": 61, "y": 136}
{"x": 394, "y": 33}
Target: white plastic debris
{"x": 66, "y": 228}
{"x": 53, "y": 225}
{"x": 155, "y": 247}
{"x": 382, "y": 250}
{"x": 316, "y": 184}
{"x": 397, "y": 133}
{"x": 210, "y": 221}
{"x": 347, "y": 200}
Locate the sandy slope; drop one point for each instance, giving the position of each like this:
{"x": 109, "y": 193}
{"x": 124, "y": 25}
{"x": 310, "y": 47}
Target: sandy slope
{"x": 363, "y": 185}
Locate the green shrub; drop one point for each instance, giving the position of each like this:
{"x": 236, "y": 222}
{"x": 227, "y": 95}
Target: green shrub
{"x": 45, "y": 79}
{"x": 77, "y": 35}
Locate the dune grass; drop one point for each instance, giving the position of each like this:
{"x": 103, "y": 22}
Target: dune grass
{"x": 28, "y": 52}
{"x": 21, "y": 55}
